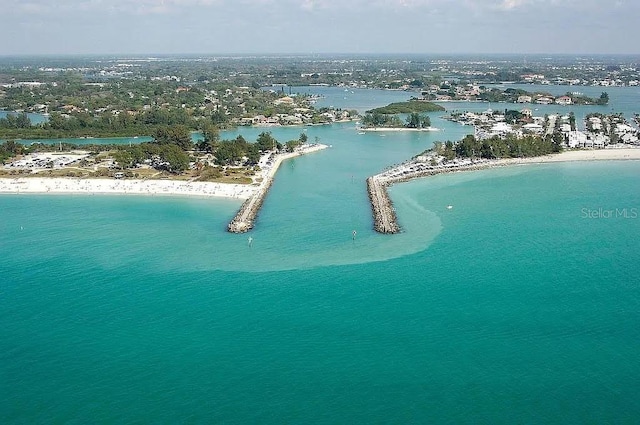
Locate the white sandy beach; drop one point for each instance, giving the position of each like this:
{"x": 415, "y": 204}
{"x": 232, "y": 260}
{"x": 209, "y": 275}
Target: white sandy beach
{"x": 128, "y": 187}
{"x": 91, "y": 186}
{"x": 416, "y": 169}
{"x": 270, "y": 171}
{"x": 610, "y": 154}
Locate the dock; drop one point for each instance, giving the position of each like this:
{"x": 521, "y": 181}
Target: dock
{"x": 244, "y": 220}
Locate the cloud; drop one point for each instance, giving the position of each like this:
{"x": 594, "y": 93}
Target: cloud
{"x": 274, "y": 26}
{"x": 512, "y": 4}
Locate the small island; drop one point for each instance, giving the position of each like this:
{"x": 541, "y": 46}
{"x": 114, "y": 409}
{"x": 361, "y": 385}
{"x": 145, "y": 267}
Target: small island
{"x": 411, "y": 106}
{"x": 387, "y": 119}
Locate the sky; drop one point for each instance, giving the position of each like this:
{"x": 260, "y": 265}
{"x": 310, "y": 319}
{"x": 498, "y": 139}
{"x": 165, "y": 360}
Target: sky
{"x": 59, "y": 27}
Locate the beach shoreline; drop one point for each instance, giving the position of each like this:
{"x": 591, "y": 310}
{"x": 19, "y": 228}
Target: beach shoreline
{"x": 416, "y": 169}
{"x": 150, "y": 187}
{"x": 609, "y": 154}
{"x": 103, "y": 186}
{"x": 383, "y": 211}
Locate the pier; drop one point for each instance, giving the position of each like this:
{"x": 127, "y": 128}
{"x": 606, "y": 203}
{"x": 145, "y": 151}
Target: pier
{"x": 245, "y": 218}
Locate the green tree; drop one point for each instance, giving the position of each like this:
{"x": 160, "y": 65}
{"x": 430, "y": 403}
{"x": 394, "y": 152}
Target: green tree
{"x": 449, "y": 152}
{"x": 253, "y": 154}
{"x": 468, "y": 147}
{"x": 8, "y": 150}
{"x": 414, "y": 120}
{"x": 603, "y": 99}
{"x": 123, "y": 158}
{"x": 572, "y": 121}
{"x": 176, "y": 135}
{"x": 266, "y": 142}
{"x": 176, "y": 158}
{"x": 291, "y": 145}
{"x": 211, "y": 138}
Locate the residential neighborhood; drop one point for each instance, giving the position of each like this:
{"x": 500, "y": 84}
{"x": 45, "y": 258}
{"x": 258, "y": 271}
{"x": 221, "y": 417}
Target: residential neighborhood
{"x": 598, "y": 131}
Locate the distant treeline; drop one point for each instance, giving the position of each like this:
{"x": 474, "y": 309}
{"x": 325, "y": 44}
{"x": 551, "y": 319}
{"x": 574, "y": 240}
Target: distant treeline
{"x": 125, "y": 124}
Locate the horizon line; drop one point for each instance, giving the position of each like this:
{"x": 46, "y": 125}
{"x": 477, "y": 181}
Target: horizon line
{"x": 284, "y": 54}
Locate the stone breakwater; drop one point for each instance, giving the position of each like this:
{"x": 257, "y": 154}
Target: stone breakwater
{"x": 246, "y": 216}
{"x": 244, "y": 219}
{"x": 384, "y": 214}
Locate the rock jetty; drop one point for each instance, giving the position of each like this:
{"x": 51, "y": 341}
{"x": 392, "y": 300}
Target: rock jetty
{"x": 244, "y": 219}
{"x": 246, "y": 216}
{"x": 384, "y": 215}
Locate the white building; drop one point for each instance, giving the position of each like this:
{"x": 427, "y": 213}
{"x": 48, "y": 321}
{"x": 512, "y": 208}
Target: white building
{"x": 576, "y": 139}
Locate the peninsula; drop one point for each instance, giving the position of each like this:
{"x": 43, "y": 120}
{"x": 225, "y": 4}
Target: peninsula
{"x": 433, "y": 162}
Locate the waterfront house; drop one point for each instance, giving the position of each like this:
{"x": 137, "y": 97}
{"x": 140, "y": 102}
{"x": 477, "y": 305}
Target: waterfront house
{"x": 564, "y": 100}
{"x": 443, "y": 97}
{"x": 287, "y": 100}
{"x": 595, "y": 123}
{"x": 524, "y": 99}
{"x": 600, "y": 141}
{"x": 576, "y": 139}
{"x": 630, "y": 139}
{"x": 533, "y": 128}
{"x": 501, "y": 129}
{"x": 544, "y": 100}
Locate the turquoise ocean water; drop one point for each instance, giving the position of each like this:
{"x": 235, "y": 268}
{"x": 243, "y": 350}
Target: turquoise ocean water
{"x": 521, "y": 304}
